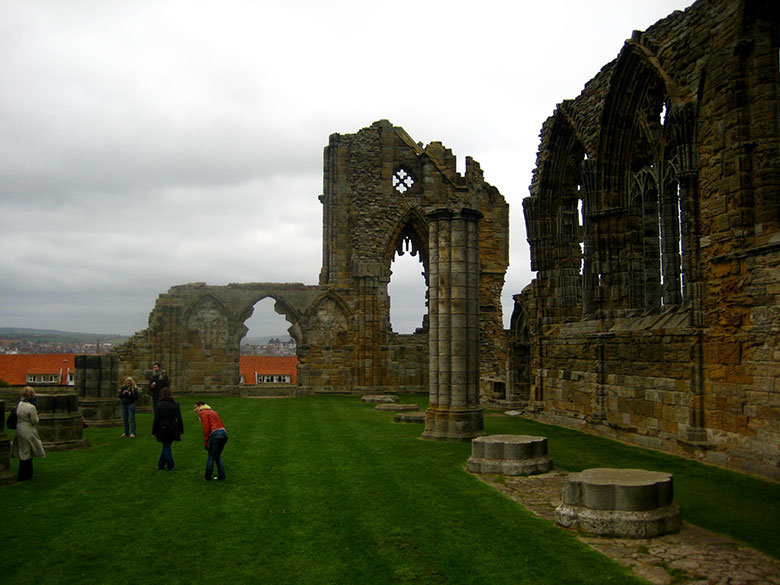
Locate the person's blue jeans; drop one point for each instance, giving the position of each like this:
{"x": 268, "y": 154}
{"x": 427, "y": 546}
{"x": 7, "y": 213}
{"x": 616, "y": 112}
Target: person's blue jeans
{"x": 128, "y": 417}
{"x": 166, "y": 457}
{"x": 217, "y": 441}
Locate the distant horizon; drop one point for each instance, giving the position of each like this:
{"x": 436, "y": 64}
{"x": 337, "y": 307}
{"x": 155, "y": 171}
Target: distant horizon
{"x": 6, "y": 330}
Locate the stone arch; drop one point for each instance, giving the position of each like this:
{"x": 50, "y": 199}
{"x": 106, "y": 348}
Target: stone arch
{"x": 641, "y": 89}
{"x": 412, "y": 228}
{"x": 637, "y": 229}
{"x": 553, "y": 216}
{"x": 326, "y": 322}
{"x": 328, "y": 349}
{"x": 281, "y": 307}
{"x": 409, "y": 235}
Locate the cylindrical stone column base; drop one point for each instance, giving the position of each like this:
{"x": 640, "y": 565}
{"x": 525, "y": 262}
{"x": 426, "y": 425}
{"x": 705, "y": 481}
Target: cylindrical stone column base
{"x": 509, "y": 455}
{"x": 453, "y": 423}
{"x": 631, "y": 503}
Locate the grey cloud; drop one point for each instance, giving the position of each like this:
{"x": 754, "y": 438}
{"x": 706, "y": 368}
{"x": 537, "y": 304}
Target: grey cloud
{"x": 151, "y": 143}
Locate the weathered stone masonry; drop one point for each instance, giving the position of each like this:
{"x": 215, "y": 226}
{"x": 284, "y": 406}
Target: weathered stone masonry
{"x": 653, "y": 224}
{"x": 380, "y": 188}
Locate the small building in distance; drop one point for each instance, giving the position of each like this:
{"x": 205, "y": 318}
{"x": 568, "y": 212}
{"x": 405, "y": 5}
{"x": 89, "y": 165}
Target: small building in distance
{"x": 264, "y": 369}
{"x": 37, "y": 369}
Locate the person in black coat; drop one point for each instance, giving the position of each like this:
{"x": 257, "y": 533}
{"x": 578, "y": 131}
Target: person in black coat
{"x": 167, "y": 427}
{"x": 158, "y": 382}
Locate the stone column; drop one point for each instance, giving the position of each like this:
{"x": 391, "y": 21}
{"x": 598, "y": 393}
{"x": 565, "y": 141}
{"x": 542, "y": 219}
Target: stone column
{"x": 96, "y": 383}
{"x": 454, "y": 413}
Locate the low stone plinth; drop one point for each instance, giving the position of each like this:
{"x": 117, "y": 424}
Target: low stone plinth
{"x": 509, "y": 455}
{"x": 409, "y": 417}
{"x": 397, "y": 407}
{"x": 101, "y": 412}
{"x": 631, "y": 503}
{"x": 60, "y": 423}
{"x": 379, "y": 398}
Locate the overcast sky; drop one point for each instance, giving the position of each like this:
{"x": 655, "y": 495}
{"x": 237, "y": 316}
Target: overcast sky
{"x": 145, "y": 144}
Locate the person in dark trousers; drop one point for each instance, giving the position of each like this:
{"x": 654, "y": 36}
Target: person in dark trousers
{"x": 158, "y": 382}
{"x": 215, "y": 436}
{"x": 27, "y": 444}
{"x": 128, "y": 394}
{"x": 167, "y": 427}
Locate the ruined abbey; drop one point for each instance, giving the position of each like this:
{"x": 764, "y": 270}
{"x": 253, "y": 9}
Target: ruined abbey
{"x": 654, "y": 227}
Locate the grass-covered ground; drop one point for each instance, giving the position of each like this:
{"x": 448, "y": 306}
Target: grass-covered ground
{"x": 322, "y": 490}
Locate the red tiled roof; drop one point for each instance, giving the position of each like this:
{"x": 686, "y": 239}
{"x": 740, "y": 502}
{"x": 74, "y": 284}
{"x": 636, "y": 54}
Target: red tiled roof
{"x": 15, "y": 367}
{"x": 267, "y": 364}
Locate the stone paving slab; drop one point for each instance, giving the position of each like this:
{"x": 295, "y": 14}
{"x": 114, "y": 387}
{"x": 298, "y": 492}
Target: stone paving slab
{"x": 693, "y": 556}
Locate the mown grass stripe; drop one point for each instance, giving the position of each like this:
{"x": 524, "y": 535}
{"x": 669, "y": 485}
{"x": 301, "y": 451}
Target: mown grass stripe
{"x": 322, "y": 489}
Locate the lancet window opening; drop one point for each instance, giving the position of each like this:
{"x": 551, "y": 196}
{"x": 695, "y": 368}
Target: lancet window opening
{"x": 409, "y": 245}
{"x": 655, "y": 204}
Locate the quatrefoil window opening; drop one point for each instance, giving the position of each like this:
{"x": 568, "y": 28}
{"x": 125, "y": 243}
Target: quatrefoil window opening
{"x": 402, "y": 180}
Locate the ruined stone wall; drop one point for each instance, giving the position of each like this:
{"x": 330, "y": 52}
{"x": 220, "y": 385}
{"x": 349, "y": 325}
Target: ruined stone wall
{"x": 655, "y": 314}
{"x": 195, "y": 331}
{"x": 379, "y": 185}
{"x": 407, "y": 363}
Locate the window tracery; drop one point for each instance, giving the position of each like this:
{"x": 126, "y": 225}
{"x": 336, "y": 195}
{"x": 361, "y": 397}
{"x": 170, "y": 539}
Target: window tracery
{"x": 402, "y": 180}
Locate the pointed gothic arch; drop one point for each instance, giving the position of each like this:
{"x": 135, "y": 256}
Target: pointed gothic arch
{"x": 326, "y": 322}
{"x": 553, "y": 216}
{"x": 409, "y": 235}
{"x": 281, "y": 307}
{"x": 637, "y": 226}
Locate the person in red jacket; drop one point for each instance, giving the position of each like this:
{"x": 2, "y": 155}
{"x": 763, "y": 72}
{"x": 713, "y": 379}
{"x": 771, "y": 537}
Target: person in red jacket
{"x": 215, "y": 436}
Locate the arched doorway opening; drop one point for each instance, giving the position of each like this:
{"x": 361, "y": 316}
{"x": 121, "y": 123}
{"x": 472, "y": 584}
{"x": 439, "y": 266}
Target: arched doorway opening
{"x": 267, "y": 332}
{"x": 267, "y": 363}
{"x": 408, "y": 292}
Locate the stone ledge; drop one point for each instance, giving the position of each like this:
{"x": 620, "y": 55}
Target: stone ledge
{"x": 382, "y": 398}
{"x": 397, "y": 407}
{"x": 409, "y": 417}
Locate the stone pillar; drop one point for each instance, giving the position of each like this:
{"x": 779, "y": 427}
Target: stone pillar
{"x": 96, "y": 382}
{"x": 454, "y": 413}
{"x": 6, "y": 475}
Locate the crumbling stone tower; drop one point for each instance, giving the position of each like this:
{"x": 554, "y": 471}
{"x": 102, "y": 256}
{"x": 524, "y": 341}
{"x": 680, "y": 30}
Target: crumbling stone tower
{"x": 654, "y": 226}
{"x": 385, "y": 194}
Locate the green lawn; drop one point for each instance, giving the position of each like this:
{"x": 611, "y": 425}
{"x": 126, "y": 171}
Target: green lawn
{"x": 320, "y": 490}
